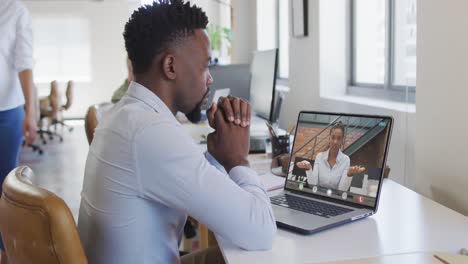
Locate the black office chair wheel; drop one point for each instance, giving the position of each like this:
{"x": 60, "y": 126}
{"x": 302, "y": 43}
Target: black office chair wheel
{"x": 41, "y": 152}
{"x": 44, "y": 141}
{"x": 51, "y": 137}
{"x": 70, "y": 129}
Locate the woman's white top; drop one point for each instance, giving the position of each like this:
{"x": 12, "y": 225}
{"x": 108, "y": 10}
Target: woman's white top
{"x": 15, "y": 51}
{"x": 324, "y": 175}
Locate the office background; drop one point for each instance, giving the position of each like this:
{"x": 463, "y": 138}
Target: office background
{"x": 428, "y": 149}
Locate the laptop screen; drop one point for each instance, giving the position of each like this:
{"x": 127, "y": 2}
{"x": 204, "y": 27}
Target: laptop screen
{"x": 339, "y": 156}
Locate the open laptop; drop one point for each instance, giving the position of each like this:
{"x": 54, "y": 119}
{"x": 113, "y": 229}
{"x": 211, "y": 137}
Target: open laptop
{"x": 317, "y": 192}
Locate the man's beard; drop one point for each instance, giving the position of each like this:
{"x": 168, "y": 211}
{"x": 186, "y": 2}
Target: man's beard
{"x": 195, "y": 115}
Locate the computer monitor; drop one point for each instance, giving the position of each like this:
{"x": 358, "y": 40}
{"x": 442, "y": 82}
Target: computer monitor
{"x": 262, "y": 83}
{"x": 233, "y": 76}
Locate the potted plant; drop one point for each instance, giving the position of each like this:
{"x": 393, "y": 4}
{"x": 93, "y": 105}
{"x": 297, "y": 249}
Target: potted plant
{"x": 218, "y": 35}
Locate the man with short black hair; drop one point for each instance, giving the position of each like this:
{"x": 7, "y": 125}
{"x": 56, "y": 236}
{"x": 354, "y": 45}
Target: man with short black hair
{"x": 144, "y": 173}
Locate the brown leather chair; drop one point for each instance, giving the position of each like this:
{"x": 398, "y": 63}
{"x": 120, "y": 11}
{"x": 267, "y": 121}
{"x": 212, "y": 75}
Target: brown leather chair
{"x": 90, "y": 123}
{"x": 92, "y": 117}
{"x": 59, "y": 119}
{"x": 36, "y": 225}
{"x": 69, "y": 96}
{"x": 49, "y": 110}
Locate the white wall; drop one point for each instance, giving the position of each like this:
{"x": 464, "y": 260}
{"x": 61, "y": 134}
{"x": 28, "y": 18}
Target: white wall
{"x": 333, "y": 47}
{"x": 318, "y": 78}
{"x": 244, "y": 31}
{"x": 303, "y": 71}
{"x": 442, "y": 146}
{"x": 108, "y": 65}
{"x": 108, "y": 68}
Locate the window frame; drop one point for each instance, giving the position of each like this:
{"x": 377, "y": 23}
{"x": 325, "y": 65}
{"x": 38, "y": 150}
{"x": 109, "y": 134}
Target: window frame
{"x": 281, "y": 80}
{"x": 388, "y": 90}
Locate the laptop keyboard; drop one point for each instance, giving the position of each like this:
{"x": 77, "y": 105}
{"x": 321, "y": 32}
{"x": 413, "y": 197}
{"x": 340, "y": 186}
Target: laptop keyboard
{"x": 309, "y": 206}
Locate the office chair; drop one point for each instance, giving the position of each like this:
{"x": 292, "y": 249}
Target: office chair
{"x": 59, "y": 120}
{"x": 36, "y": 225}
{"x": 34, "y": 148}
{"x": 92, "y": 117}
{"x": 69, "y": 96}
{"x": 49, "y": 107}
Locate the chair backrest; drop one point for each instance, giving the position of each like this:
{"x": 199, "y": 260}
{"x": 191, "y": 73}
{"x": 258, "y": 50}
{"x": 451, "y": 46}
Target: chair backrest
{"x": 49, "y": 106}
{"x": 90, "y": 123}
{"x": 36, "y": 225}
{"x": 92, "y": 117}
{"x": 69, "y": 95}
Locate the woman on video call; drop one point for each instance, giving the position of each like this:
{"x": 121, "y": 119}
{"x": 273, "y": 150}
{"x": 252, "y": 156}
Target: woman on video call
{"x": 332, "y": 168}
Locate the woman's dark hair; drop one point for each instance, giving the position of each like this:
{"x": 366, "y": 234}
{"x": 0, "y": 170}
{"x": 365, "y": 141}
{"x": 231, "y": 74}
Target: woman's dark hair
{"x": 338, "y": 125}
{"x": 153, "y": 28}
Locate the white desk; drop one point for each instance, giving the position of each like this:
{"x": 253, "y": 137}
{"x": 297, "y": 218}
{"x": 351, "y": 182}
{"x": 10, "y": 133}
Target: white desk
{"x": 405, "y": 223}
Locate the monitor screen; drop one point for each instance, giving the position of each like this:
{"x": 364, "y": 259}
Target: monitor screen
{"x": 262, "y": 82}
{"x": 233, "y": 76}
{"x": 339, "y": 156}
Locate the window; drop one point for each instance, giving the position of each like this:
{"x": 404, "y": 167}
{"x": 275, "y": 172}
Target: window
{"x": 283, "y": 29}
{"x": 273, "y": 31}
{"x": 383, "y": 49}
{"x": 62, "y": 49}
{"x": 218, "y": 28}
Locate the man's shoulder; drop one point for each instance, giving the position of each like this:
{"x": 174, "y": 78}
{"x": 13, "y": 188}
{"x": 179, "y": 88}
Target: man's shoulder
{"x": 129, "y": 117}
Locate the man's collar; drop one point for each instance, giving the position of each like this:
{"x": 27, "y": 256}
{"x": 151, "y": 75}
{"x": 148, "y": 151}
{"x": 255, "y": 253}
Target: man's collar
{"x": 143, "y": 94}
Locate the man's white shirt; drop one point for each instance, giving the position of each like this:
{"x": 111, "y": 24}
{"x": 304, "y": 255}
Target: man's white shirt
{"x": 144, "y": 174}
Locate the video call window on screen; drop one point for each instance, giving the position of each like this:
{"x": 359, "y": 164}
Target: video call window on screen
{"x": 339, "y": 156}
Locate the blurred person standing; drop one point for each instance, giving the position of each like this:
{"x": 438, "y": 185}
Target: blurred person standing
{"x": 17, "y": 92}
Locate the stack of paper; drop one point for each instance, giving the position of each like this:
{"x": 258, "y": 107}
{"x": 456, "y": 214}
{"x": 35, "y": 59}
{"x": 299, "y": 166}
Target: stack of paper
{"x": 272, "y": 182}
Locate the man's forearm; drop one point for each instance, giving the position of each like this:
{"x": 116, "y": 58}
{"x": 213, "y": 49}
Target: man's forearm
{"x": 29, "y": 91}
{"x": 256, "y": 226}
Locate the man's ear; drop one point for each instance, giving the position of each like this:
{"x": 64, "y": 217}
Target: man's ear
{"x": 169, "y": 67}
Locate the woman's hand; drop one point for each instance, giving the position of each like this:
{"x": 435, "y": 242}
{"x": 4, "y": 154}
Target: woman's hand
{"x": 29, "y": 129}
{"x": 304, "y": 165}
{"x": 355, "y": 170}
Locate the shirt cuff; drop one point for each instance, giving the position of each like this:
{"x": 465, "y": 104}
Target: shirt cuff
{"x": 24, "y": 64}
{"x": 214, "y": 162}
